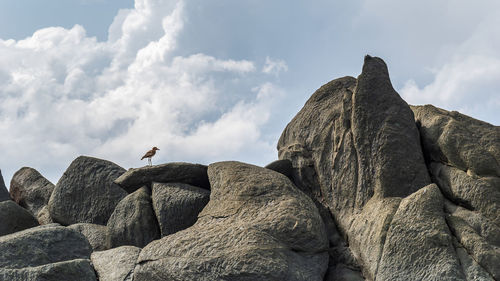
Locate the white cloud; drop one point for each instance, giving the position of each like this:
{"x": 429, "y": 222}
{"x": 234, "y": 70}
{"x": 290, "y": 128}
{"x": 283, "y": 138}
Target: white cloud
{"x": 467, "y": 79}
{"x": 63, "y": 94}
{"x": 274, "y": 66}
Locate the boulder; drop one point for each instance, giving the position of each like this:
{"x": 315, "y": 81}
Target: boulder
{"x": 14, "y": 218}
{"x": 459, "y": 141}
{"x": 133, "y": 222}
{"x": 283, "y": 166}
{"x": 86, "y": 192}
{"x": 30, "y": 190}
{"x": 477, "y": 193}
{"x": 44, "y": 216}
{"x": 256, "y": 226}
{"x": 419, "y": 245}
{"x": 116, "y": 264}
{"x": 193, "y": 174}
{"x": 355, "y": 148}
{"x": 78, "y": 269}
{"x": 4, "y": 193}
{"x": 95, "y": 234}
{"x": 177, "y": 205}
{"x": 42, "y": 245}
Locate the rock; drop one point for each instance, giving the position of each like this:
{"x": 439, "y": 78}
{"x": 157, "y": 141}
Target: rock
{"x": 14, "y": 218}
{"x": 256, "y": 226}
{"x": 86, "y": 192}
{"x": 477, "y": 193}
{"x": 116, "y": 264}
{"x": 356, "y": 149}
{"x": 282, "y": 166}
{"x": 478, "y": 247}
{"x": 193, "y": 174}
{"x": 30, "y": 190}
{"x": 42, "y": 245}
{"x": 133, "y": 222}
{"x": 459, "y": 141}
{"x": 78, "y": 269}
{"x": 419, "y": 245}
{"x": 177, "y": 205}
{"x": 95, "y": 234}
{"x": 44, "y": 216}
{"x": 4, "y": 193}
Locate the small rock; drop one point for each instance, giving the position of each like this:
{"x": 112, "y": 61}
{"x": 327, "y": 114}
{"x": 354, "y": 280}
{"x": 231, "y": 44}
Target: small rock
{"x": 78, "y": 269}
{"x": 30, "y": 190}
{"x": 116, "y": 264}
{"x": 283, "y": 166}
{"x": 42, "y": 245}
{"x": 86, "y": 192}
{"x": 133, "y": 222}
{"x": 193, "y": 174}
{"x": 4, "y": 193}
{"x": 177, "y": 205}
{"x": 95, "y": 234}
{"x": 14, "y": 218}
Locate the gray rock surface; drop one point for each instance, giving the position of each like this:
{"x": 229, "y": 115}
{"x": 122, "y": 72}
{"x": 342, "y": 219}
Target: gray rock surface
{"x": 257, "y": 226}
{"x": 14, "y": 218}
{"x": 42, "y": 245}
{"x": 177, "y": 205}
{"x": 283, "y": 166}
{"x": 477, "y": 193}
{"x": 86, "y": 192}
{"x": 44, "y": 216}
{"x": 133, "y": 222}
{"x": 116, "y": 264}
{"x": 419, "y": 245}
{"x": 458, "y": 140}
{"x": 193, "y": 174}
{"x": 74, "y": 270}
{"x": 4, "y": 193}
{"x": 95, "y": 234}
{"x": 356, "y": 149}
{"x": 30, "y": 190}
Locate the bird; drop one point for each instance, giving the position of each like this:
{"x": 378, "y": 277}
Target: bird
{"x": 150, "y": 154}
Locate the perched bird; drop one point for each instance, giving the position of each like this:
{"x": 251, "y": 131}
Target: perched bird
{"x": 150, "y": 154}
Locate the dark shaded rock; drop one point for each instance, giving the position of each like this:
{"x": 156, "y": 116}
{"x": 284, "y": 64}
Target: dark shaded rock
{"x": 14, "y": 218}
{"x": 193, "y": 174}
{"x": 116, "y": 264}
{"x": 42, "y": 245}
{"x": 4, "y": 193}
{"x": 458, "y": 140}
{"x": 95, "y": 234}
{"x": 256, "y": 226}
{"x": 78, "y": 269}
{"x": 356, "y": 149}
{"x": 282, "y": 166}
{"x": 86, "y": 192}
{"x": 133, "y": 222}
{"x": 419, "y": 245}
{"x": 177, "y": 205}
{"x": 30, "y": 190}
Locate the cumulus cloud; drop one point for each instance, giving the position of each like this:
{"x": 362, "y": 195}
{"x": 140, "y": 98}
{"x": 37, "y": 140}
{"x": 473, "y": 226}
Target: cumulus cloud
{"x": 63, "y": 94}
{"x": 467, "y": 78}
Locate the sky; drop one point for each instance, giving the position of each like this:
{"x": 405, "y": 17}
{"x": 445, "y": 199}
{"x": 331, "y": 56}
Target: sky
{"x": 208, "y": 81}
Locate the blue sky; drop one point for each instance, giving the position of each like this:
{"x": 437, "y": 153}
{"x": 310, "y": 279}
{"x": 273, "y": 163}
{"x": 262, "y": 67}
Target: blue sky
{"x": 219, "y": 80}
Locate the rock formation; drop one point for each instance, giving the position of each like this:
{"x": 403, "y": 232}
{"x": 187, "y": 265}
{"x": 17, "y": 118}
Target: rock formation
{"x": 366, "y": 188}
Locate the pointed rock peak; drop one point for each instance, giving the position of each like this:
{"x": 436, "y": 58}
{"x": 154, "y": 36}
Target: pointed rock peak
{"x": 375, "y": 70}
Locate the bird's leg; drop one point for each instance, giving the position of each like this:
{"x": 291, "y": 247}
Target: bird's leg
{"x": 150, "y": 162}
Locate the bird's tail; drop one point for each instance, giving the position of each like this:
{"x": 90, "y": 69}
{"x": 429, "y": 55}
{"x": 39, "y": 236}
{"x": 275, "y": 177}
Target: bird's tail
{"x": 143, "y": 157}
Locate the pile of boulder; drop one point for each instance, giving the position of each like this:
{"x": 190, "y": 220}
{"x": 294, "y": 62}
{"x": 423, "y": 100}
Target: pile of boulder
{"x": 366, "y": 188}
